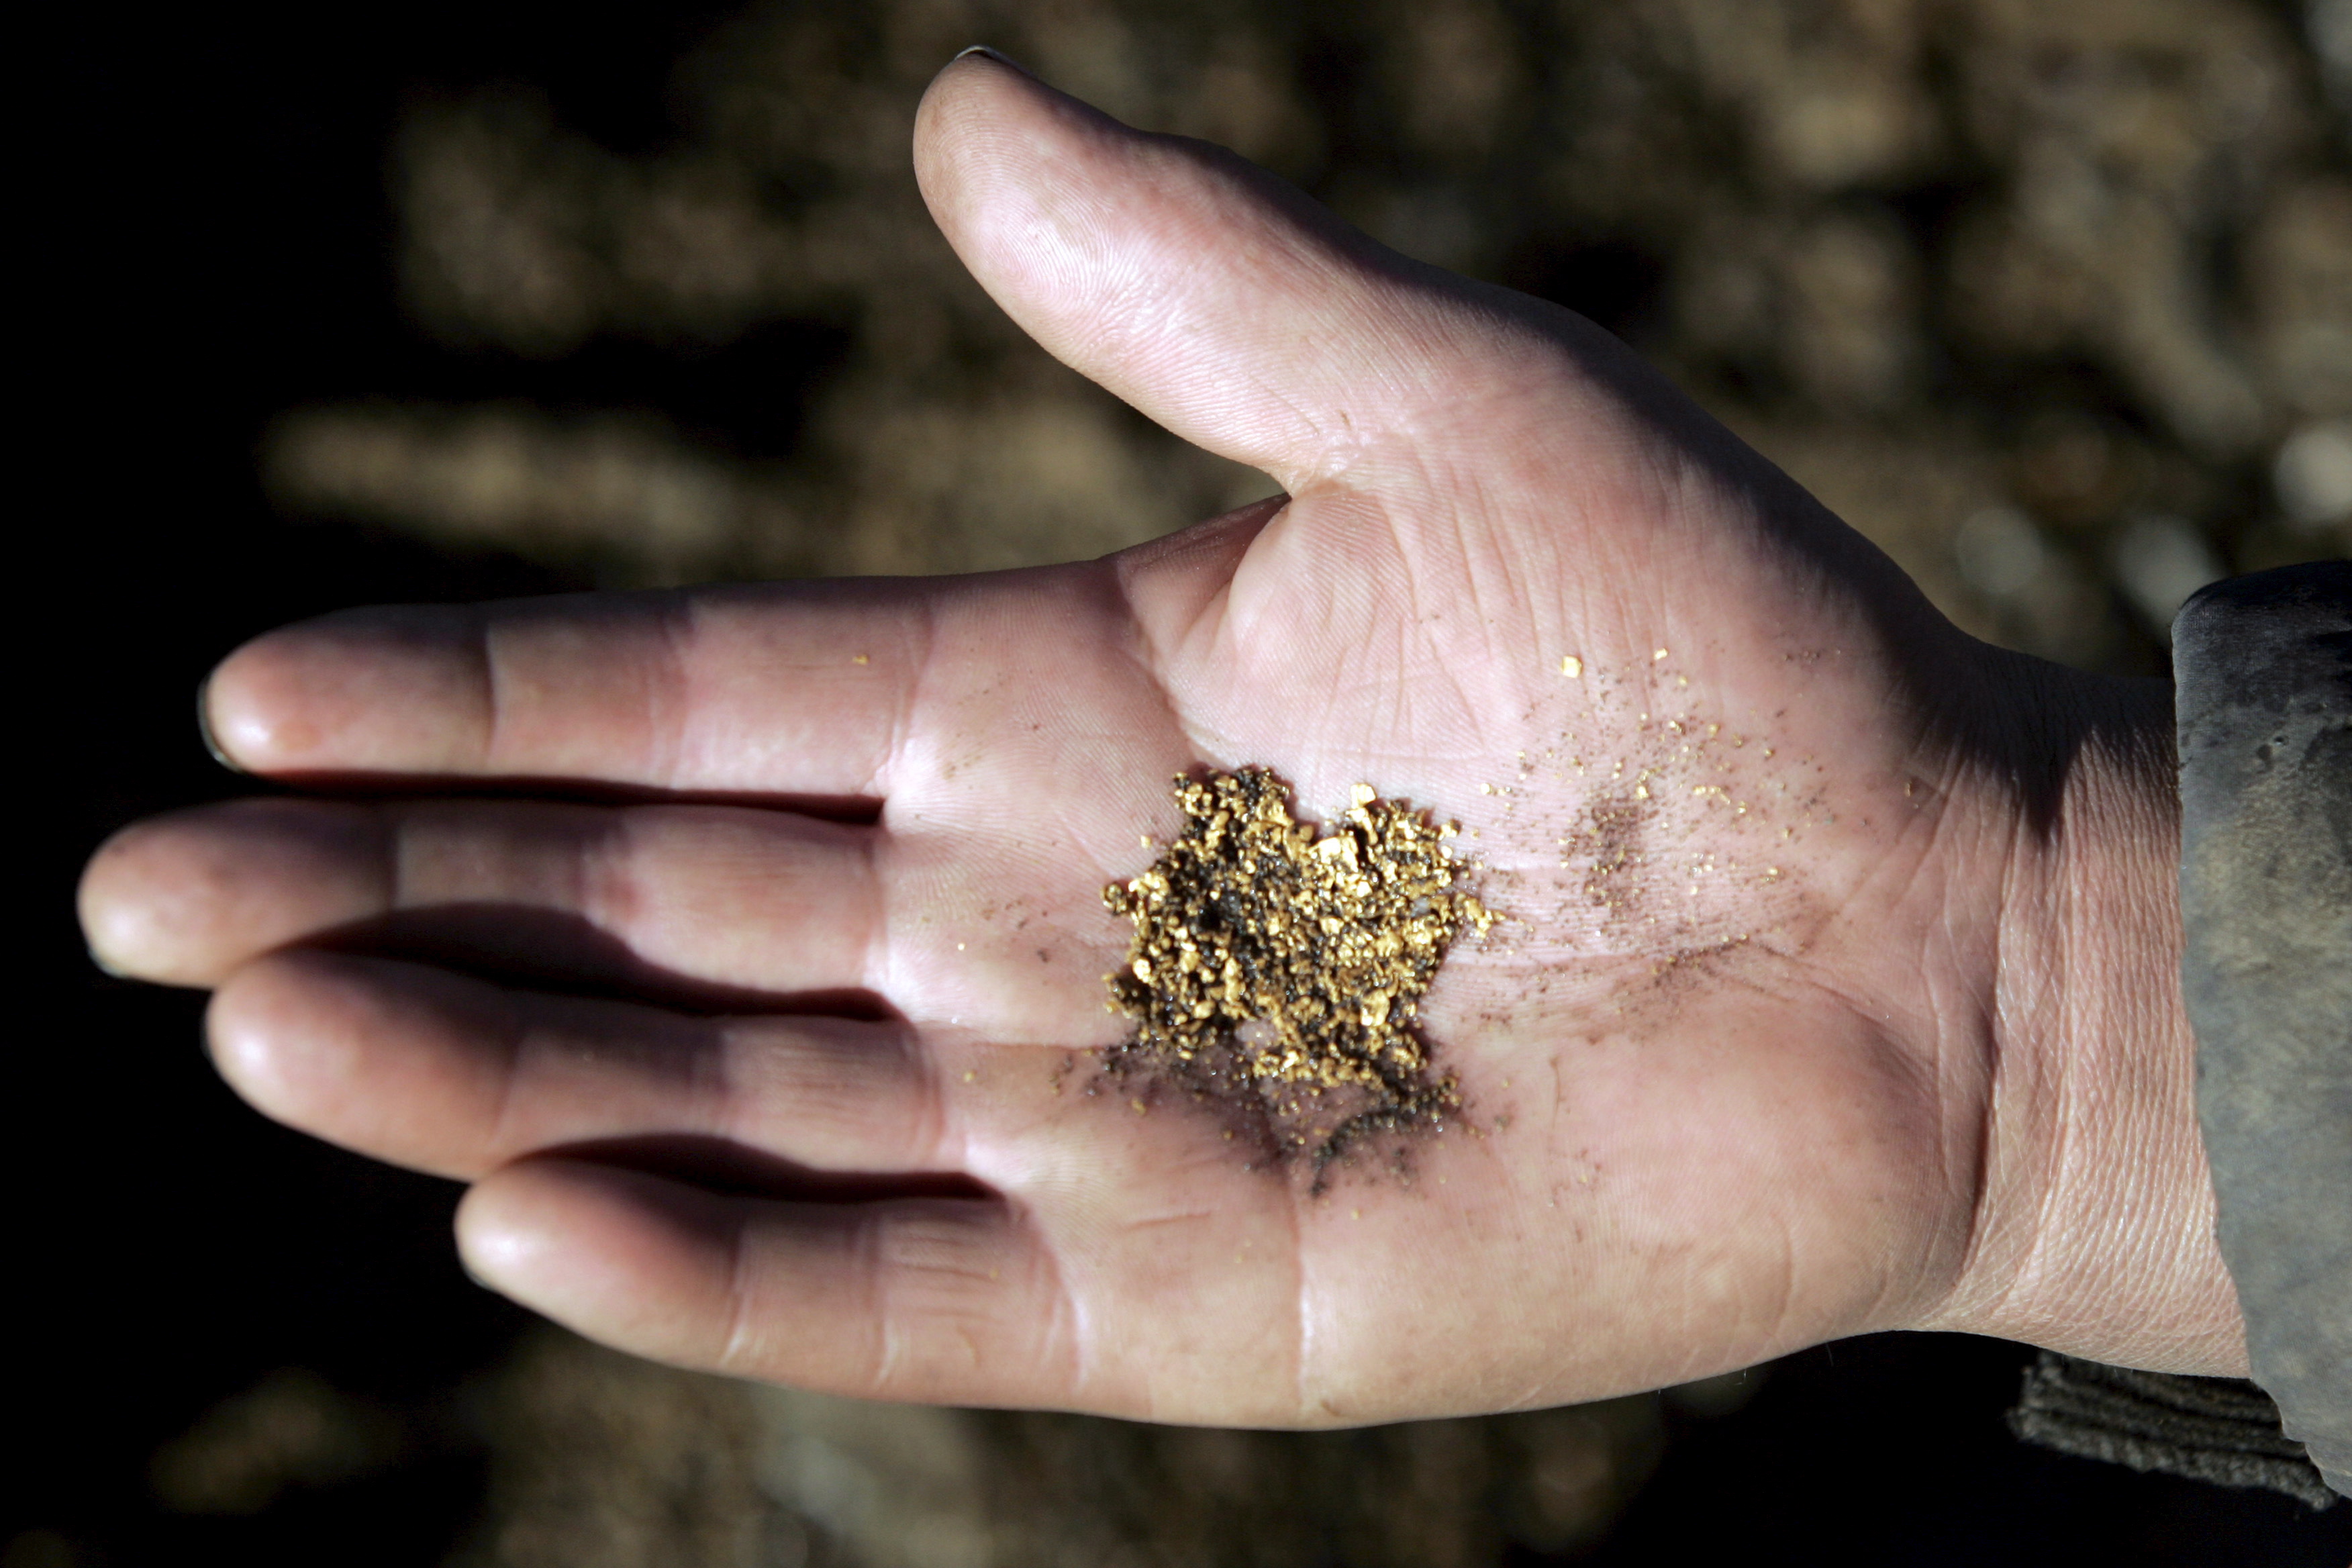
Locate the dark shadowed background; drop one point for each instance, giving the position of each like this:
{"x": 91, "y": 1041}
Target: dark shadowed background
{"x": 2055, "y": 301}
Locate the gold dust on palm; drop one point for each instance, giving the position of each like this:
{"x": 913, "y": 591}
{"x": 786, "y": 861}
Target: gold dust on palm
{"x": 1280, "y": 969}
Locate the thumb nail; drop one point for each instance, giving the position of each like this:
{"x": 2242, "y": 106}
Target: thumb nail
{"x": 999, "y": 56}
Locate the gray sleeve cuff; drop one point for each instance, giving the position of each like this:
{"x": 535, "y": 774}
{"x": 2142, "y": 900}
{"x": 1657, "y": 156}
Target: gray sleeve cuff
{"x": 2263, "y": 666}
{"x": 2208, "y": 1429}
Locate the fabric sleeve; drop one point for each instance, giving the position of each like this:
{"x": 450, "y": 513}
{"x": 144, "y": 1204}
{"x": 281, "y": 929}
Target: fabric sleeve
{"x": 2264, "y": 669}
{"x": 2222, "y": 1430}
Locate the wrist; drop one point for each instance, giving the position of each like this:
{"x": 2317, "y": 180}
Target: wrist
{"x": 2094, "y": 1227}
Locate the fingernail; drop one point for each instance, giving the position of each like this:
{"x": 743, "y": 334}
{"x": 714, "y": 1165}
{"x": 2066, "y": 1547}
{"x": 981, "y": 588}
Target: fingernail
{"x": 1000, "y": 56}
{"x": 103, "y": 967}
{"x": 204, "y": 727}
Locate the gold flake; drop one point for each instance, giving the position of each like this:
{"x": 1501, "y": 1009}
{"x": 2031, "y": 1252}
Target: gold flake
{"x": 860, "y": 658}
{"x": 1659, "y": 655}
{"x": 1572, "y": 666}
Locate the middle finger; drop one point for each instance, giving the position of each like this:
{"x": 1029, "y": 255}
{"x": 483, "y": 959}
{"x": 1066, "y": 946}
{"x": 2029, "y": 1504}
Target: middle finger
{"x": 633, "y": 896}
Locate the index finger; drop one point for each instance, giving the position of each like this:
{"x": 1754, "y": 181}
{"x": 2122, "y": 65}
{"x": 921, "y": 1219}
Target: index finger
{"x": 801, "y": 688}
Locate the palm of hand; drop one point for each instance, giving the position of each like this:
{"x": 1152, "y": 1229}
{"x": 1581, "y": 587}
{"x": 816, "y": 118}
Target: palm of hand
{"x": 1709, "y": 1115}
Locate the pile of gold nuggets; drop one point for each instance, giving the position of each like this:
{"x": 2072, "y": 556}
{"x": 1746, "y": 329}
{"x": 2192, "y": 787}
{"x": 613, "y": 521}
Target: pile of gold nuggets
{"x": 1280, "y": 971}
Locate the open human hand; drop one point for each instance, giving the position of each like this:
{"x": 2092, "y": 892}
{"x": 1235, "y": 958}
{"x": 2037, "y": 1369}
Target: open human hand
{"x": 742, "y": 946}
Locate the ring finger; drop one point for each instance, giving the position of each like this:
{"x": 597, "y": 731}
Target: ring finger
{"x": 458, "y": 1076}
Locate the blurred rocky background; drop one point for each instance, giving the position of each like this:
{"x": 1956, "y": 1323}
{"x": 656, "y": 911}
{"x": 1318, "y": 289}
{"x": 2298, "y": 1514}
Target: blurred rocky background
{"x": 2055, "y": 301}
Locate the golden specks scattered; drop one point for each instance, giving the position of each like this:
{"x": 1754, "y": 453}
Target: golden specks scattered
{"x": 1659, "y": 655}
{"x": 860, "y": 658}
{"x": 1572, "y": 666}
{"x": 1287, "y": 968}
{"x": 970, "y": 1076}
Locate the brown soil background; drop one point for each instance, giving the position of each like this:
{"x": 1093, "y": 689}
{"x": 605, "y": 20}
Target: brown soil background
{"x": 2079, "y": 276}
{"x": 2055, "y": 301}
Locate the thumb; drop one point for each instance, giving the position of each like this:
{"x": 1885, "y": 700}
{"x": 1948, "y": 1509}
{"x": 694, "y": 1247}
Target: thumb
{"x": 1217, "y": 299}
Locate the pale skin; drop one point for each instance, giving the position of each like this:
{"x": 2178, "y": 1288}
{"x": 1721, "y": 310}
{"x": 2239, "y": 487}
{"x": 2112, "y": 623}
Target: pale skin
{"x": 1835, "y": 987}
